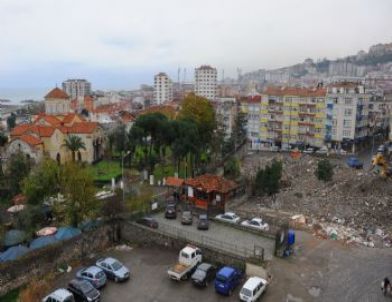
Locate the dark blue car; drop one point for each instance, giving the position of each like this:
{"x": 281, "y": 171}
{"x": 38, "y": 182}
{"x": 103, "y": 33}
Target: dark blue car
{"x": 354, "y": 162}
{"x": 227, "y": 279}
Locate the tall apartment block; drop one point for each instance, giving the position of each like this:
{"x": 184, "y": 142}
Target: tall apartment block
{"x": 77, "y": 88}
{"x": 206, "y": 78}
{"x": 347, "y": 124}
{"x": 163, "y": 88}
{"x": 292, "y": 117}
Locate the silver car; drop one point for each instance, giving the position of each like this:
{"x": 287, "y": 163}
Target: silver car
{"x": 94, "y": 275}
{"x": 113, "y": 269}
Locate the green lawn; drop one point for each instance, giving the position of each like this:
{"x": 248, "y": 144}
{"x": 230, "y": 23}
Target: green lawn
{"x": 11, "y": 296}
{"x": 106, "y": 170}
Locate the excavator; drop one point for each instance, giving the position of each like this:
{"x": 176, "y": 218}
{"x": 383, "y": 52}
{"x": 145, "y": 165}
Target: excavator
{"x": 380, "y": 165}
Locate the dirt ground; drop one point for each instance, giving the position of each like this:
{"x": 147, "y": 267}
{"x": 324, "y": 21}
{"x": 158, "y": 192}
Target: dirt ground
{"x": 357, "y": 199}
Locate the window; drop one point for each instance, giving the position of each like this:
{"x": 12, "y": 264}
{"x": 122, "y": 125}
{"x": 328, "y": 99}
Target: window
{"x": 347, "y": 123}
{"x": 346, "y": 133}
{"x": 348, "y": 112}
{"x": 348, "y": 101}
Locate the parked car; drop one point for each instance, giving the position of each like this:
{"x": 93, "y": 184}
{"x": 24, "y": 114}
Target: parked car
{"x": 148, "y": 221}
{"x": 188, "y": 259}
{"x": 94, "y": 275}
{"x": 227, "y": 279}
{"x": 309, "y": 150}
{"x": 228, "y": 217}
{"x": 186, "y": 217}
{"x": 203, "y": 223}
{"x": 322, "y": 150}
{"x": 113, "y": 269}
{"x": 59, "y": 295}
{"x": 171, "y": 211}
{"x": 203, "y": 275}
{"x": 354, "y": 162}
{"x": 253, "y": 288}
{"x": 83, "y": 291}
{"x": 256, "y": 223}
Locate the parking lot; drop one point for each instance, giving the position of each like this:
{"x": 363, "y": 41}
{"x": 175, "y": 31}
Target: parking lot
{"x": 149, "y": 280}
{"x": 220, "y": 233}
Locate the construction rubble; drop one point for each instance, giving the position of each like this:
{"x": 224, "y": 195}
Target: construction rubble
{"x": 356, "y": 206}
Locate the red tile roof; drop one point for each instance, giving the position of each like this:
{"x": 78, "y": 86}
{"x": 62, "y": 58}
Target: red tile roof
{"x": 295, "y": 91}
{"x": 50, "y": 119}
{"x": 174, "y": 181}
{"x": 20, "y": 129}
{"x": 57, "y": 93}
{"x": 251, "y": 99}
{"x": 210, "y": 182}
{"x": 82, "y": 127}
{"x": 69, "y": 118}
{"x": 42, "y": 131}
{"x": 30, "y": 139}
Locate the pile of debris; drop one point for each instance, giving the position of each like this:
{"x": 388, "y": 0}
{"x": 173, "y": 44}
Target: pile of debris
{"x": 355, "y": 206}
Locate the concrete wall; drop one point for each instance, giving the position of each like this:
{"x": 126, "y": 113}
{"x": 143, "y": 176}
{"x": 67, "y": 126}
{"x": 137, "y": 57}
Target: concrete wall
{"x": 38, "y": 263}
{"x": 137, "y": 234}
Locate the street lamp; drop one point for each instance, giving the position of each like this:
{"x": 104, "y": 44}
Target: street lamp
{"x": 122, "y": 174}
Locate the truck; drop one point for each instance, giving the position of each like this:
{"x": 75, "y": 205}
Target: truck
{"x": 227, "y": 279}
{"x": 188, "y": 259}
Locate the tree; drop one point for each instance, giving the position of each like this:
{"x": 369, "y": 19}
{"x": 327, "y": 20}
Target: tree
{"x": 42, "y": 182}
{"x": 74, "y": 143}
{"x": 17, "y": 168}
{"x": 112, "y": 210}
{"x": 11, "y": 121}
{"x": 239, "y": 129}
{"x": 3, "y": 139}
{"x": 201, "y": 111}
{"x": 77, "y": 186}
{"x": 324, "y": 170}
{"x": 119, "y": 138}
{"x": 267, "y": 180}
{"x": 232, "y": 168}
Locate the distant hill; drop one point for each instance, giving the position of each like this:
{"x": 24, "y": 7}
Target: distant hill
{"x": 377, "y": 61}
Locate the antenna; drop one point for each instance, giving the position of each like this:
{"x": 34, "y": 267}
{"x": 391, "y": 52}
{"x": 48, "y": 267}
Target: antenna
{"x": 184, "y": 76}
{"x": 223, "y": 76}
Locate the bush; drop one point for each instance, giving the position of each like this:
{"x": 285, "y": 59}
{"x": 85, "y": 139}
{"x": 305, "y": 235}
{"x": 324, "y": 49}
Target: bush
{"x": 324, "y": 170}
{"x": 35, "y": 291}
{"x": 268, "y": 180}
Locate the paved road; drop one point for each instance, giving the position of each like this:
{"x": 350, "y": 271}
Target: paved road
{"x": 149, "y": 280}
{"x": 220, "y": 232}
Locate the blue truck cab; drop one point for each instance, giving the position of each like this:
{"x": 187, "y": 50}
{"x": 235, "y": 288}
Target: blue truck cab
{"x": 227, "y": 279}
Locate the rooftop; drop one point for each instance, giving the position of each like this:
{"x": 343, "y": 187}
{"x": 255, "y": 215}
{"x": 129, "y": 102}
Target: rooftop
{"x": 174, "y": 181}
{"x": 295, "y": 91}
{"x": 210, "y": 182}
{"x": 57, "y": 93}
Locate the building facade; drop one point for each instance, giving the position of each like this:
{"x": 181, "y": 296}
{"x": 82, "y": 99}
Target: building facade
{"x": 206, "y": 78}
{"x": 57, "y": 102}
{"x": 347, "y": 115}
{"x": 292, "y": 117}
{"x": 77, "y": 88}
{"x": 251, "y": 106}
{"x": 226, "y": 110}
{"x": 163, "y": 88}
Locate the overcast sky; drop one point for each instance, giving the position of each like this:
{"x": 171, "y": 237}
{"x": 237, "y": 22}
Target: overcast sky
{"x": 122, "y": 43}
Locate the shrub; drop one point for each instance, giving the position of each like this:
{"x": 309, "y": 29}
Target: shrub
{"x": 267, "y": 180}
{"x": 324, "y": 170}
{"x": 35, "y": 291}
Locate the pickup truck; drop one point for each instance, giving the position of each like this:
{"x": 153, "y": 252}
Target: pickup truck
{"x": 188, "y": 259}
{"x": 227, "y": 279}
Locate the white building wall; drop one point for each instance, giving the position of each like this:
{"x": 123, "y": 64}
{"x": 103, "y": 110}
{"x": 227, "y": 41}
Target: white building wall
{"x": 206, "y": 79}
{"x": 163, "y": 88}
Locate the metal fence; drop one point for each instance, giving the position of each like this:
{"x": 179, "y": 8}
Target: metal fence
{"x": 256, "y": 252}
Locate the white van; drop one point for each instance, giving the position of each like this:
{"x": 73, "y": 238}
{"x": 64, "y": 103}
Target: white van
{"x": 59, "y": 295}
{"x": 253, "y": 289}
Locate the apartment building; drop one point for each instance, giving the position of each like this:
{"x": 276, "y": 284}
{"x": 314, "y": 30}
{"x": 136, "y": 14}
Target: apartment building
{"x": 206, "y": 78}
{"x": 292, "y": 117}
{"x": 347, "y": 115}
{"x": 163, "y": 88}
{"x": 226, "y": 112}
{"x": 251, "y": 106}
{"x": 77, "y": 88}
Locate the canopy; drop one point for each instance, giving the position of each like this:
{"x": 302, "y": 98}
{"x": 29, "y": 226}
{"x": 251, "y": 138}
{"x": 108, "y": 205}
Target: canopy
{"x": 14, "y": 237}
{"x": 16, "y": 208}
{"x": 13, "y": 253}
{"x": 47, "y": 231}
{"x": 42, "y": 241}
{"x": 65, "y": 233}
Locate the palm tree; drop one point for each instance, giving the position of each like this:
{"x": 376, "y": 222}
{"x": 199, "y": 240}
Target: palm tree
{"x": 74, "y": 143}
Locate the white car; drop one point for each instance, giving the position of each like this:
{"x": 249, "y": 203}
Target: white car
{"x": 253, "y": 288}
{"x": 309, "y": 150}
{"x": 322, "y": 150}
{"x": 256, "y": 223}
{"x": 59, "y": 295}
{"x": 228, "y": 217}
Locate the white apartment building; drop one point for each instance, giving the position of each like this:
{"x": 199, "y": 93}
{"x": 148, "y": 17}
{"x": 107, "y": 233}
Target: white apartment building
{"x": 347, "y": 124}
{"x": 77, "y": 88}
{"x": 163, "y": 88}
{"x": 226, "y": 113}
{"x": 206, "y": 78}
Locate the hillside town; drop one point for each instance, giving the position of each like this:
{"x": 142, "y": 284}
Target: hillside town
{"x": 203, "y": 181}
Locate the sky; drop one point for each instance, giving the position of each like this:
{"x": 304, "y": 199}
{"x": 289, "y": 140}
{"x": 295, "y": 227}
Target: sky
{"x": 120, "y": 44}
